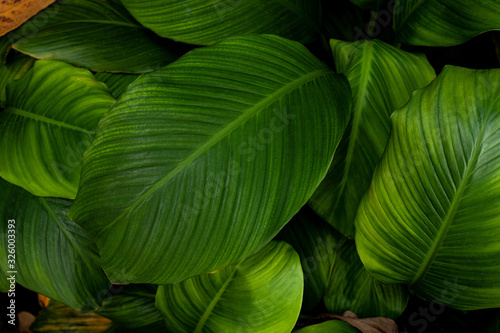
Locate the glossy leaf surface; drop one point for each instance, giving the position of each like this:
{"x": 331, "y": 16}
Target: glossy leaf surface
{"x": 182, "y": 181}
{"x": 430, "y": 217}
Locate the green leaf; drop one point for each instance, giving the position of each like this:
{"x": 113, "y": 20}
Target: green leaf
{"x": 351, "y": 287}
{"x": 53, "y": 255}
{"x": 204, "y": 22}
{"x": 331, "y": 326}
{"x": 444, "y": 22}
{"x": 260, "y": 294}
{"x": 117, "y": 83}
{"x": 201, "y": 163}
{"x": 95, "y": 34}
{"x": 430, "y": 218}
{"x": 333, "y": 271}
{"x": 133, "y": 307}
{"x": 4, "y": 48}
{"x": 50, "y": 119}
{"x": 11, "y": 71}
{"x": 316, "y": 243}
{"x": 382, "y": 79}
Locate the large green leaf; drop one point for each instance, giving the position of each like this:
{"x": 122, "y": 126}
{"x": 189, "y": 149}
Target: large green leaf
{"x": 260, "y": 294}
{"x": 201, "y": 163}
{"x": 134, "y": 308}
{"x": 444, "y": 22}
{"x": 316, "y": 243}
{"x": 53, "y": 255}
{"x": 351, "y": 287}
{"x": 207, "y": 22}
{"x": 382, "y": 79}
{"x": 51, "y": 115}
{"x": 333, "y": 271}
{"x": 331, "y": 326}
{"x": 430, "y": 218}
{"x": 96, "y": 34}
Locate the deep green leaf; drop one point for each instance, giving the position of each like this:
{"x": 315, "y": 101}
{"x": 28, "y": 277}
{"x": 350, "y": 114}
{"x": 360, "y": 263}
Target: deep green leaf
{"x": 316, "y": 243}
{"x": 4, "y": 48}
{"x": 342, "y": 20}
{"x": 117, "y": 83}
{"x": 430, "y": 218}
{"x": 331, "y": 326}
{"x": 53, "y": 255}
{"x": 96, "y": 34}
{"x": 260, "y": 294}
{"x": 11, "y": 71}
{"x": 204, "y": 22}
{"x": 50, "y": 119}
{"x": 444, "y": 22}
{"x": 333, "y": 271}
{"x": 351, "y": 287}
{"x": 133, "y": 307}
{"x": 382, "y": 79}
{"x": 201, "y": 163}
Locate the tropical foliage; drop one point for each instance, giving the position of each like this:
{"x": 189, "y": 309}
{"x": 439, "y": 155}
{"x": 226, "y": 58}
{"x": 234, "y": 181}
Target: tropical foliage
{"x": 253, "y": 166}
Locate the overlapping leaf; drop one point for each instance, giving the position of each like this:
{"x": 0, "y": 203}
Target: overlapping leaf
{"x": 99, "y": 35}
{"x": 204, "y": 22}
{"x": 382, "y": 79}
{"x": 260, "y": 294}
{"x": 13, "y": 71}
{"x": 350, "y": 287}
{"x": 430, "y": 218}
{"x": 50, "y": 119}
{"x": 316, "y": 243}
{"x": 134, "y": 308}
{"x": 53, "y": 255}
{"x": 116, "y": 82}
{"x": 333, "y": 271}
{"x": 342, "y": 20}
{"x": 201, "y": 163}
{"x": 444, "y": 22}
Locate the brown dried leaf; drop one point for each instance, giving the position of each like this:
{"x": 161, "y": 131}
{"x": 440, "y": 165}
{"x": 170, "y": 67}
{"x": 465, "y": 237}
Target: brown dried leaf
{"x": 13, "y": 13}
{"x": 369, "y": 325}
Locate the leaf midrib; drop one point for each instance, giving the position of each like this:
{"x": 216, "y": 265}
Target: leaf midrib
{"x": 215, "y": 300}
{"x": 47, "y": 120}
{"x": 239, "y": 121}
{"x": 450, "y": 215}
